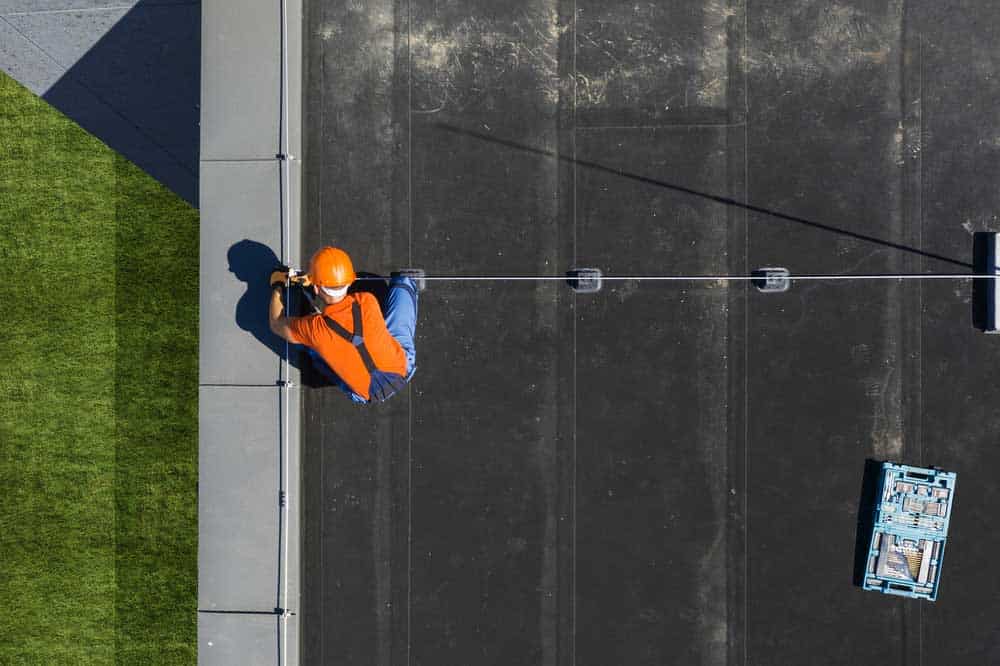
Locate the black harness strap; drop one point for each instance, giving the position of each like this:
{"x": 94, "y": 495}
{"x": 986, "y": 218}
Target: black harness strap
{"x": 357, "y": 338}
{"x": 382, "y": 385}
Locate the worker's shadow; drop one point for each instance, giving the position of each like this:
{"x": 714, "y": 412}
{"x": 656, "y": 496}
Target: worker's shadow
{"x": 251, "y": 262}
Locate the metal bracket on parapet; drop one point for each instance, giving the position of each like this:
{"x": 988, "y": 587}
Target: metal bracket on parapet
{"x": 584, "y": 280}
{"x": 771, "y": 280}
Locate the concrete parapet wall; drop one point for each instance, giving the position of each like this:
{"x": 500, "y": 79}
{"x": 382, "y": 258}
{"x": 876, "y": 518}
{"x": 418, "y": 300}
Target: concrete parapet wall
{"x": 249, "y": 408}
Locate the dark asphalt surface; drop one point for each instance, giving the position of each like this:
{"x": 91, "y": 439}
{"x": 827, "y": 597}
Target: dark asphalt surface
{"x": 658, "y": 473}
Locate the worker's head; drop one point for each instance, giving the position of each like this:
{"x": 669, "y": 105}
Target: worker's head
{"x": 332, "y": 272}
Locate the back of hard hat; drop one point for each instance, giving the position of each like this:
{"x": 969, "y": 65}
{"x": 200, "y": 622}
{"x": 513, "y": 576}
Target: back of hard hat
{"x": 331, "y": 267}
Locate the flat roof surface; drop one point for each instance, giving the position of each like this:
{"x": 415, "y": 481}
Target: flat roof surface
{"x": 658, "y": 473}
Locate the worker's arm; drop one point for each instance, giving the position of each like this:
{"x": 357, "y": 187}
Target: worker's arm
{"x": 276, "y": 309}
{"x": 276, "y": 318}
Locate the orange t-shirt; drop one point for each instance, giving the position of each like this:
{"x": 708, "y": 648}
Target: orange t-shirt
{"x": 342, "y": 357}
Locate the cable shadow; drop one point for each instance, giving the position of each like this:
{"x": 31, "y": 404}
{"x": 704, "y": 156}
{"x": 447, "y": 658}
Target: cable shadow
{"x": 703, "y": 195}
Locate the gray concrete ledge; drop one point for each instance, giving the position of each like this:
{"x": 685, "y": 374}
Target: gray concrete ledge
{"x": 249, "y": 406}
{"x": 235, "y": 639}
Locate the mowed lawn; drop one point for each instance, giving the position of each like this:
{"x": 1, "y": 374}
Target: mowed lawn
{"x": 98, "y": 400}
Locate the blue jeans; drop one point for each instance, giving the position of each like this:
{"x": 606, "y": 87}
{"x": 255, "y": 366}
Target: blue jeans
{"x": 401, "y": 321}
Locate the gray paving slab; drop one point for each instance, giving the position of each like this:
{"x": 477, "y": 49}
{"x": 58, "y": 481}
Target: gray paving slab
{"x": 238, "y": 501}
{"x": 226, "y": 639}
{"x": 68, "y": 36}
{"x": 25, "y": 61}
{"x": 237, "y": 346}
{"x": 240, "y": 118}
{"x": 56, "y": 6}
{"x": 142, "y": 62}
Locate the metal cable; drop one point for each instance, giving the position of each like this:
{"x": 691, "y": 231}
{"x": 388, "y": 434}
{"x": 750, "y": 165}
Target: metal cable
{"x": 696, "y": 278}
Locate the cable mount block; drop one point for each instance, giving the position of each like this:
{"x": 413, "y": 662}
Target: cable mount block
{"x": 771, "y": 280}
{"x": 584, "y": 280}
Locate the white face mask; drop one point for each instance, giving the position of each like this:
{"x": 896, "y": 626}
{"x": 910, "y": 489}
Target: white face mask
{"x": 332, "y": 292}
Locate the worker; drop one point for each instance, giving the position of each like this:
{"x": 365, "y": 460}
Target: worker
{"x": 369, "y": 357}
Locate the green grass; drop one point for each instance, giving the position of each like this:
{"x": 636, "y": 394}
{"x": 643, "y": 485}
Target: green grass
{"x": 98, "y": 400}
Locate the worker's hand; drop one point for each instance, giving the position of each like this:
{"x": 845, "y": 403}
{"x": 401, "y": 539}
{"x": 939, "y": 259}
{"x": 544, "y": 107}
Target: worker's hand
{"x": 279, "y": 277}
{"x": 302, "y": 280}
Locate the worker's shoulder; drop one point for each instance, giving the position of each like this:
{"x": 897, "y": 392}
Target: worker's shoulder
{"x": 370, "y": 306}
{"x": 366, "y": 299}
{"x": 302, "y": 328}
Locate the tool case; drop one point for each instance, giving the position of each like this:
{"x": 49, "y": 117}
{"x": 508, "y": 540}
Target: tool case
{"x": 910, "y": 530}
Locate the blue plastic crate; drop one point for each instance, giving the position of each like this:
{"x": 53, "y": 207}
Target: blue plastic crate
{"x": 906, "y": 548}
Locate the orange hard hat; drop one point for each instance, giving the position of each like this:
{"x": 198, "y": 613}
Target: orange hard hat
{"x": 331, "y": 267}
